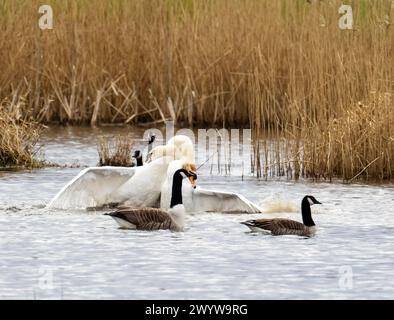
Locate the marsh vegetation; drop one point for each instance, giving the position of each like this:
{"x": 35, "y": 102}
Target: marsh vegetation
{"x": 18, "y": 139}
{"x": 115, "y": 151}
{"x": 323, "y": 96}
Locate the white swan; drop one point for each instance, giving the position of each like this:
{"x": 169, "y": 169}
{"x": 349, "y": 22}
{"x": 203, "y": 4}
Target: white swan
{"x": 148, "y": 185}
{"x": 179, "y": 147}
{"x": 138, "y": 186}
{"x": 98, "y": 186}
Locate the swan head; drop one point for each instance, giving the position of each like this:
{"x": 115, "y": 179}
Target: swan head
{"x": 184, "y": 145}
{"x": 178, "y": 147}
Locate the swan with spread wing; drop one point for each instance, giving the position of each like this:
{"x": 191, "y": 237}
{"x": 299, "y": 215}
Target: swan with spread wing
{"x": 138, "y": 186}
{"x": 148, "y": 185}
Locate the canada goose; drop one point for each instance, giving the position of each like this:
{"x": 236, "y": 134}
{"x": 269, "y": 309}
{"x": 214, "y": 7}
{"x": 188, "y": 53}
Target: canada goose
{"x": 286, "y": 226}
{"x": 145, "y": 188}
{"x": 153, "y": 218}
{"x": 137, "y": 155}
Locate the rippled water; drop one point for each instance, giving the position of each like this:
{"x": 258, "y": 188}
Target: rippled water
{"x": 71, "y": 255}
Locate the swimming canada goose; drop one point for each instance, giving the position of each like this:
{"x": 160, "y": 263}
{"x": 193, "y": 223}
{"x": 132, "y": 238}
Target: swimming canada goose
{"x": 138, "y": 157}
{"x": 286, "y": 226}
{"x": 153, "y": 218}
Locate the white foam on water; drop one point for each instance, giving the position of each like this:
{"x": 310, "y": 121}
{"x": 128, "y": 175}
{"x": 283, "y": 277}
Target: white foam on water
{"x": 277, "y": 203}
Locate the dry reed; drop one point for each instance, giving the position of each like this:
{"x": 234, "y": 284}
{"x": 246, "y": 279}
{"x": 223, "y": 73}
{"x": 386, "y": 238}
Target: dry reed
{"x": 115, "y": 152}
{"x": 282, "y": 67}
{"x": 18, "y": 138}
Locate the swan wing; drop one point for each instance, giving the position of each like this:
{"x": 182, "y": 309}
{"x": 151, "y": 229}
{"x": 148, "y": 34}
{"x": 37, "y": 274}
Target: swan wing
{"x": 220, "y": 201}
{"x": 91, "y": 187}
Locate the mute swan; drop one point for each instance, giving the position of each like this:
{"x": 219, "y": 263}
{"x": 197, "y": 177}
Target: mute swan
{"x": 178, "y": 147}
{"x": 153, "y": 218}
{"x": 95, "y": 187}
{"x": 286, "y": 226}
{"x": 98, "y": 186}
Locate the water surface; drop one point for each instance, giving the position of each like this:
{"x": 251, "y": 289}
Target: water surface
{"x": 73, "y": 255}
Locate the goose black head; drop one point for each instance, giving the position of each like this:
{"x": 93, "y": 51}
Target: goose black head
{"x": 311, "y": 200}
{"x": 176, "y": 195}
{"x": 191, "y": 175}
{"x": 138, "y": 156}
{"x": 191, "y": 169}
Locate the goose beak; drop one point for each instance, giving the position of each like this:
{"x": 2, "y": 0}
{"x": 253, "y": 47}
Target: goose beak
{"x": 193, "y": 182}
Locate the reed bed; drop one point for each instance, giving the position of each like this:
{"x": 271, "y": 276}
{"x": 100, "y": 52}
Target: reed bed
{"x": 283, "y": 67}
{"x": 18, "y": 138}
{"x": 115, "y": 151}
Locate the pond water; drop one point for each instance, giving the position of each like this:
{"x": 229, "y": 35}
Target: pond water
{"x": 72, "y": 255}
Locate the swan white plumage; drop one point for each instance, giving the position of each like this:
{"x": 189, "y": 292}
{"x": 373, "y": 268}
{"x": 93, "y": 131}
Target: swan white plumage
{"x": 179, "y": 147}
{"x": 138, "y": 186}
{"x": 98, "y": 186}
{"x": 91, "y": 187}
{"x": 144, "y": 186}
{"x": 202, "y": 200}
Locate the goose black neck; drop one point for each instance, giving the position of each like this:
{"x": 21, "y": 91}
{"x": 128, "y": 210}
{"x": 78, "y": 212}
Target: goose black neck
{"x": 139, "y": 161}
{"x": 306, "y": 213}
{"x": 176, "y": 195}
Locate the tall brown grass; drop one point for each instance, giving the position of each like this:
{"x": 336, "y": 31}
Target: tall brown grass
{"x": 115, "y": 151}
{"x": 282, "y": 67}
{"x": 18, "y": 138}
